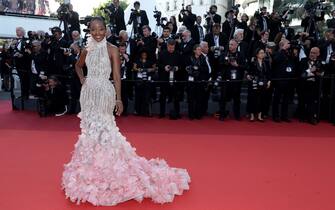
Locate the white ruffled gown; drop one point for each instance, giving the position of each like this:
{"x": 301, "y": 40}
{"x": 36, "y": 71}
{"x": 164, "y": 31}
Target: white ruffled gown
{"x": 105, "y": 169}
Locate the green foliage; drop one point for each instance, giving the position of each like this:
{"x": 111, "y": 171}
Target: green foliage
{"x": 100, "y": 12}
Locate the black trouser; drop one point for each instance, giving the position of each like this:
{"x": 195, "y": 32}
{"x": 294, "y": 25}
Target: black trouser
{"x": 24, "y": 81}
{"x": 257, "y": 100}
{"x": 142, "y": 98}
{"x": 231, "y": 91}
{"x": 196, "y": 99}
{"x": 75, "y": 93}
{"x": 282, "y": 93}
{"x": 311, "y": 100}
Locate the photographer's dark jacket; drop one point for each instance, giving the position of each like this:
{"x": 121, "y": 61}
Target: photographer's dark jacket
{"x": 40, "y": 62}
{"x": 260, "y": 73}
{"x": 304, "y": 66}
{"x": 200, "y": 74}
{"x": 173, "y": 59}
{"x": 223, "y": 40}
{"x": 229, "y": 72}
{"x": 142, "y": 14}
{"x": 23, "y": 63}
{"x": 283, "y": 67}
{"x": 188, "y": 21}
{"x": 57, "y": 59}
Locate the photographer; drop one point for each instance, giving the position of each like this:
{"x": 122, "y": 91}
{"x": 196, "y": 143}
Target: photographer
{"x": 198, "y": 72}
{"x": 258, "y": 76}
{"x": 233, "y": 66}
{"x": 39, "y": 67}
{"x": 231, "y": 22}
{"x": 288, "y": 31}
{"x": 22, "y": 61}
{"x": 217, "y": 42}
{"x": 162, "y": 41}
{"x": 283, "y": 71}
{"x": 331, "y": 21}
{"x": 138, "y": 18}
{"x": 262, "y": 19}
{"x": 126, "y": 74}
{"x": 57, "y": 53}
{"x": 187, "y": 18}
{"x": 143, "y": 69}
{"x": 310, "y": 22}
{"x": 73, "y": 20}
{"x": 211, "y": 18}
{"x": 116, "y": 17}
{"x": 54, "y": 99}
{"x": 198, "y": 32}
{"x": 169, "y": 63}
{"x": 75, "y": 85}
{"x": 312, "y": 69}
{"x": 148, "y": 42}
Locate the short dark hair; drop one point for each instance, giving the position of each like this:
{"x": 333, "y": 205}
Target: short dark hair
{"x": 137, "y": 3}
{"x": 166, "y": 28}
{"x": 146, "y": 26}
{"x": 171, "y": 42}
{"x": 122, "y": 44}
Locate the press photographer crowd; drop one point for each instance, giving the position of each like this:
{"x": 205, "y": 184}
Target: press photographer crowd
{"x": 192, "y": 63}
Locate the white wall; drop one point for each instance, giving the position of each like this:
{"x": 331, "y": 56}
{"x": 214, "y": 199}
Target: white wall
{"x": 9, "y": 24}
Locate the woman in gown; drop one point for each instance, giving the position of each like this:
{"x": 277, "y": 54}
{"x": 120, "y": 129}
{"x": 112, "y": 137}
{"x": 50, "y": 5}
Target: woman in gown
{"x": 105, "y": 169}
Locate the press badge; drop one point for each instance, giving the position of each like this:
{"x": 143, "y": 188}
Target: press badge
{"x": 190, "y": 78}
{"x": 139, "y": 75}
{"x": 233, "y": 74}
{"x": 288, "y": 69}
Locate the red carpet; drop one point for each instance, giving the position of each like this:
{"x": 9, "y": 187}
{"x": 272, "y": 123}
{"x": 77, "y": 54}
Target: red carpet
{"x": 233, "y": 165}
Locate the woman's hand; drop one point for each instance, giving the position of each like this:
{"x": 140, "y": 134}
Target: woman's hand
{"x": 118, "y": 107}
{"x": 268, "y": 84}
{"x": 82, "y": 80}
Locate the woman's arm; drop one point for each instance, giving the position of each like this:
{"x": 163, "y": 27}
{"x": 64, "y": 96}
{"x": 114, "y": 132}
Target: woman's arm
{"x": 79, "y": 66}
{"x": 115, "y": 60}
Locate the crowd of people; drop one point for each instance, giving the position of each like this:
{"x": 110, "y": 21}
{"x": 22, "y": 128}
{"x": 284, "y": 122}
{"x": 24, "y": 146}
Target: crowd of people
{"x": 191, "y": 63}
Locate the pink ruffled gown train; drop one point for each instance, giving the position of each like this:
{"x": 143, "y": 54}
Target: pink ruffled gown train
{"x": 105, "y": 169}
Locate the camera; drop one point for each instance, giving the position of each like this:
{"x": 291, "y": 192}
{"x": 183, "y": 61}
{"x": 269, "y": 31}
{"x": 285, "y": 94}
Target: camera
{"x": 217, "y": 52}
{"x": 218, "y": 81}
{"x": 193, "y": 71}
{"x": 110, "y": 9}
{"x": 312, "y": 7}
{"x": 63, "y": 12}
{"x": 258, "y": 83}
{"x": 230, "y": 59}
{"x": 235, "y": 8}
{"x": 137, "y": 37}
{"x": 86, "y": 20}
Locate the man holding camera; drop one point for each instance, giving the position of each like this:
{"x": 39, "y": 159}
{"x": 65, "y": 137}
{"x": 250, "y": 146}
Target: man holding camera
{"x": 73, "y": 20}
{"x": 116, "y": 17}
{"x": 138, "y": 18}
{"x": 211, "y": 18}
{"x": 169, "y": 63}
{"x": 312, "y": 69}
{"x": 22, "y": 61}
{"x": 217, "y": 42}
{"x": 57, "y": 51}
{"x": 233, "y": 68}
{"x": 187, "y": 17}
{"x": 284, "y": 70}
{"x": 262, "y": 19}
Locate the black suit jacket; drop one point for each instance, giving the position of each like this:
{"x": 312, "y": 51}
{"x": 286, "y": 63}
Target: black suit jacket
{"x": 223, "y": 40}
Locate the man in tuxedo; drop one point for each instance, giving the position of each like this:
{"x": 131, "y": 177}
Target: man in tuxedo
{"x": 217, "y": 42}
{"x": 22, "y": 61}
{"x": 233, "y": 68}
{"x": 262, "y": 20}
{"x": 288, "y": 31}
{"x": 283, "y": 68}
{"x": 57, "y": 55}
{"x": 311, "y": 69}
{"x": 169, "y": 69}
{"x": 138, "y": 18}
{"x": 116, "y": 17}
{"x": 198, "y": 32}
{"x": 230, "y": 24}
{"x": 162, "y": 41}
{"x": 211, "y": 18}
{"x": 188, "y": 18}
{"x": 148, "y": 42}
{"x": 331, "y": 21}
{"x": 73, "y": 20}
